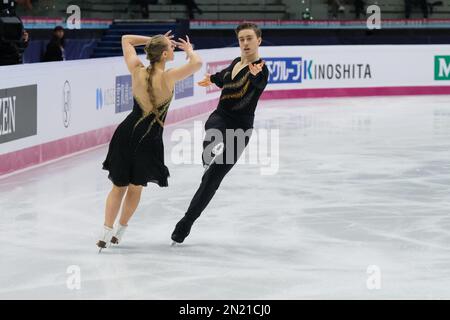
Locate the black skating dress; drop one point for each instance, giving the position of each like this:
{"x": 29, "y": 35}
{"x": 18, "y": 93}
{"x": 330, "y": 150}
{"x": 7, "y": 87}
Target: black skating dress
{"x": 136, "y": 149}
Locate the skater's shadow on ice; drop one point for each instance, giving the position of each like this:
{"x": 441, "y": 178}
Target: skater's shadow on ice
{"x": 143, "y": 248}
{"x": 196, "y": 249}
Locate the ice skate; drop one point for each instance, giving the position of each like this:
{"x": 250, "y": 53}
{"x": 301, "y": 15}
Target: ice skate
{"x": 118, "y": 234}
{"x": 105, "y": 239}
{"x": 182, "y": 230}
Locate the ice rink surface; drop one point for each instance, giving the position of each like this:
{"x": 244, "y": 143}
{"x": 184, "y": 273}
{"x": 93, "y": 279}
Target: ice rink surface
{"x": 362, "y": 195}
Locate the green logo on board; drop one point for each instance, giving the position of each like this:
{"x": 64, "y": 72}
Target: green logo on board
{"x": 442, "y": 68}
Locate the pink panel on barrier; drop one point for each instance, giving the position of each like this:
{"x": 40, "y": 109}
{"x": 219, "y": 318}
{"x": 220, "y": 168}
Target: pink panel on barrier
{"x": 58, "y": 148}
{"x": 354, "y": 92}
{"x": 20, "y": 159}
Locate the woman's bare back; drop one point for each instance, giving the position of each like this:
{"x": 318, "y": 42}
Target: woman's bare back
{"x": 161, "y": 89}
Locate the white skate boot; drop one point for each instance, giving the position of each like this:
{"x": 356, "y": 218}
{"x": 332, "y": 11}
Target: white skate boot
{"x": 120, "y": 230}
{"x": 105, "y": 239}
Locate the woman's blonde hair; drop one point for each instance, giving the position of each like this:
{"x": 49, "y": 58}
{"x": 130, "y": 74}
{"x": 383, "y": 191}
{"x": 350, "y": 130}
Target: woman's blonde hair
{"x": 154, "y": 50}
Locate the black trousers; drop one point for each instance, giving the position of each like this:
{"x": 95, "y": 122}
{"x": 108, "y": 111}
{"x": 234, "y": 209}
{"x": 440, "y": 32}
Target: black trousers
{"x": 235, "y": 139}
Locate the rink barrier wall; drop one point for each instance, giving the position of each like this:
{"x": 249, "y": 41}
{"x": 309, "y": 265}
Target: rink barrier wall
{"x": 80, "y": 103}
{"x": 21, "y": 159}
{"x": 355, "y": 92}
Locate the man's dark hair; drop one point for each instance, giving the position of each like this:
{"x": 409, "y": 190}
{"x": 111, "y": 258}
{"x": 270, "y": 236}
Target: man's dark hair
{"x": 248, "y": 25}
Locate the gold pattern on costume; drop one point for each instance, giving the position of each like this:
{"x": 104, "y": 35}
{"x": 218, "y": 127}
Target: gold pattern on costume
{"x": 238, "y": 94}
{"x": 233, "y": 85}
{"x": 244, "y": 101}
{"x": 145, "y": 114}
{"x": 158, "y": 115}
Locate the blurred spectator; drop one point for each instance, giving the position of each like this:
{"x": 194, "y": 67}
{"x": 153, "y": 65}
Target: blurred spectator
{"x": 432, "y": 5}
{"x": 191, "y": 5}
{"x": 55, "y": 48}
{"x": 144, "y": 6}
{"x": 25, "y": 3}
{"x": 11, "y": 52}
{"x": 359, "y": 8}
{"x": 422, "y": 3}
{"x": 337, "y": 6}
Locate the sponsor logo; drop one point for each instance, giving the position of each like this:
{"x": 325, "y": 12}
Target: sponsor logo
{"x": 442, "y": 68}
{"x": 123, "y": 94}
{"x": 184, "y": 88}
{"x": 18, "y": 113}
{"x": 298, "y": 70}
{"x": 105, "y": 97}
{"x": 67, "y": 104}
{"x": 99, "y": 99}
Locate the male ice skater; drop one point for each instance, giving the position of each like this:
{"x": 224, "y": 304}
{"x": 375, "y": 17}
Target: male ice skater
{"x": 230, "y": 125}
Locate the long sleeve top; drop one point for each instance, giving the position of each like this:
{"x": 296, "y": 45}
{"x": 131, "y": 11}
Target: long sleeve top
{"x": 240, "y": 95}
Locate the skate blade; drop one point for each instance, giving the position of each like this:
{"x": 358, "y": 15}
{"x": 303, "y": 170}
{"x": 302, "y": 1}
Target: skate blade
{"x": 101, "y": 245}
{"x": 175, "y": 244}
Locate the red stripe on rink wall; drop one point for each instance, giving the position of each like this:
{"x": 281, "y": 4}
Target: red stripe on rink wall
{"x": 31, "y": 156}
{"x": 42, "y": 153}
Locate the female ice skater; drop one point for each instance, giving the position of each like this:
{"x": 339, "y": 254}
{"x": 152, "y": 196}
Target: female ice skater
{"x": 136, "y": 152}
{"x": 242, "y": 83}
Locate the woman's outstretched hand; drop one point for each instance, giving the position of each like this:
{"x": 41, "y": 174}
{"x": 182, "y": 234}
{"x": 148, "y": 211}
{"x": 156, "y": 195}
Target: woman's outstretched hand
{"x": 206, "y": 82}
{"x": 185, "y": 45}
{"x": 170, "y": 37}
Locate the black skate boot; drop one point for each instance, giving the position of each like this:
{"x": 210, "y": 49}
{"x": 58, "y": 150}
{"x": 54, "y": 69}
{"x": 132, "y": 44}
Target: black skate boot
{"x": 182, "y": 230}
